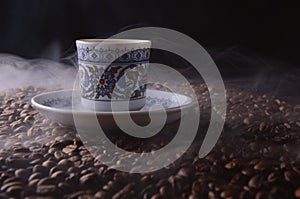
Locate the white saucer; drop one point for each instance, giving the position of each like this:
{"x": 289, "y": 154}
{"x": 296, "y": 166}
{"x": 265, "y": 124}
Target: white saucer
{"x": 57, "y": 106}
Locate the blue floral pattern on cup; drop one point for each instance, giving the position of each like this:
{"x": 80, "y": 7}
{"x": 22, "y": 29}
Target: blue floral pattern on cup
{"x": 125, "y": 78}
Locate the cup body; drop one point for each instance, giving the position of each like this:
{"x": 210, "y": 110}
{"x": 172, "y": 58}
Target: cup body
{"x": 113, "y": 73}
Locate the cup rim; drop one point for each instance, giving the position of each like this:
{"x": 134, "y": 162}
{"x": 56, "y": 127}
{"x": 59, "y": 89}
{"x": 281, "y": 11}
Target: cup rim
{"x": 113, "y": 41}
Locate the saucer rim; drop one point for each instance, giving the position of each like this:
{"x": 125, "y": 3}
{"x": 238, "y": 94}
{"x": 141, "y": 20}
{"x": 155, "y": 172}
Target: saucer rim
{"x": 189, "y": 104}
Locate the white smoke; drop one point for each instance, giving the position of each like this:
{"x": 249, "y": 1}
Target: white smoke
{"x": 19, "y": 72}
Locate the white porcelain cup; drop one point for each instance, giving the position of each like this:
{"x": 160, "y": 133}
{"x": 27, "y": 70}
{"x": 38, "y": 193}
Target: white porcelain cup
{"x": 113, "y": 73}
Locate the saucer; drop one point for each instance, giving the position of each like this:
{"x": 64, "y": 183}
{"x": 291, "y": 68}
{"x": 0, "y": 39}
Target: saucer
{"x": 57, "y": 106}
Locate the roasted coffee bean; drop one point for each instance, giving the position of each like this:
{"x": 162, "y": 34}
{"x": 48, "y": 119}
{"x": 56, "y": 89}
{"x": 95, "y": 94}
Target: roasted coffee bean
{"x": 64, "y": 163}
{"x": 36, "y": 175}
{"x": 33, "y": 183}
{"x": 296, "y": 169}
{"x": 255, "y": 182}
{"x": 5, "y": 186}
{"x": 274, "y": 176}
{"x": 157, "y": 196}
{"x": 102, "y": 195}
{"x": 61, "y": 144}
{"x": 12, "y": 179}
{"x": 247, "y": 171}
{"x": 47, "y": 190}
{"x": 89, "y": 178}
{"x": 49, "y": 164}
{"x": 291, "y": 176}
{"x": 87, "y": 196}
{"x": 193, "y": 196}
{"x": 70, "y": 148}
{"x": 186, "y": 172}
{"x": 47, "y": 181}
{"x": 20, "y": 149}
{"x": 15, "y": 190}
{"x": 60, "y": 175}
{"x": 228, "y": 193}
{"x": 124, "y": 192}
{"x": 55, "y": 169}
{"x": 17, "y": 162}
{"x": 198, "y": 188}
{"x": 261, "y": 195}
{"x": 263, "y": 164}
{"x": 22, "y": 173}
{"x": 65, "y": 188}
{"x": 297, "y": 193}
{"x": 58, "y": 155}
{"x": 166, "y": 191}
{"x": 231, "y": 165}
{"x": 40, "y": 169}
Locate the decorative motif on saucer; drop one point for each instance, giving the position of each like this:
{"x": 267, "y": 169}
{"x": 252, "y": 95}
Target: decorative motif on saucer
{"x": 66, "y": 101}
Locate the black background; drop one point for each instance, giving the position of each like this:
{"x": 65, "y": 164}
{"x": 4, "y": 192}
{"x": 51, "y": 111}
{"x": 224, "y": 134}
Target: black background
{"x": 241, "y": 36}
{"x": 29, "y": 28}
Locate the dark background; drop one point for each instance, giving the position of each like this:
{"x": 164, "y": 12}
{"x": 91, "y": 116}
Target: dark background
{"x": 29, "y": 27}
{"x": 246, "y": 37}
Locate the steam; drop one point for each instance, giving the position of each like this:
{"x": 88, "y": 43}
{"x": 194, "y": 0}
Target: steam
{"x": 257, "y": 73}
{"x": 19, "y": 72}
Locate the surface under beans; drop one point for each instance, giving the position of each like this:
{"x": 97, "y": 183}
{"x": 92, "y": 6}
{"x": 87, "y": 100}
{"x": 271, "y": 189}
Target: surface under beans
{"x": 257, "y": 155}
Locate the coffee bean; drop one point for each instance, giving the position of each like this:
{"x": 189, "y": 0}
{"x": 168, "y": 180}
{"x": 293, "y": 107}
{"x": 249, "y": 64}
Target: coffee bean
{"x": 22, "y": 173}
{"x": 291, "y": 176}
{"x": 261, "y": 195}
{"x": 47, "y": 181}
{"x": 58, "y": 155}
{"x": 47, "y": 190}
{"x": 15, "y": 190}
{"x": 255, "y": 182}
{"x": 36, "y": 175}
{"x": 60, "y": 175}
{"x": 64, "y": 163}
{"x": 185, "y": 172}
{"x": 247, "y": 171}
{"x": 69, "y": 148}
{"x": 6, "y": 185}
{"x": 262, "y": 165}
{"x": 48, "y": 163}
{"x": 231, "y": 165}
{"x": 12, "y": 179}
{"x": 65, "y": 188}
{"x": 33, "y": 183}
{"x": 192, "y": 196}
{"x": 40, "y": 169}
{"x": 247, "y": 121}
{"x": 89, "y": 178}
{"x": 296, "y": 169}
{"x": 17, "y": 162}
{"x": 28, "y": 119}
{"x": 272, "y": 177}
{"x": 157, "y": 196}
{"x": 166, "y": 191}
{"x": 102, "y": 195}
{"x": 228, "y": 193}
{"x": 34, "y": 131}
{"x": 198, "y": 188}
{"x": 87, "y": 196}
{"x": 297, "y": 193}
{"x": 124, "y": 192}
{"x": 16, "y": 124}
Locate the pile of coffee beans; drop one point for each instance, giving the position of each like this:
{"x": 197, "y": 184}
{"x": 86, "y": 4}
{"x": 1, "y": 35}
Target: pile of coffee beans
{"x": 257, "y": 155}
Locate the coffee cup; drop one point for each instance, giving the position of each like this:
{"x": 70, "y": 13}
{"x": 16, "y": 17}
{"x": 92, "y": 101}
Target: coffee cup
{"x": 113, "y": 73}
